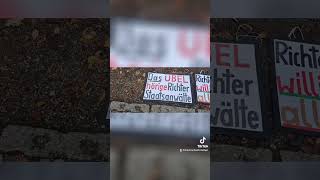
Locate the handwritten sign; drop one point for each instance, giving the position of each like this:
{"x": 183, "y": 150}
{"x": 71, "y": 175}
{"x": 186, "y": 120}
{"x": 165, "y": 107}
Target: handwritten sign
{"x": 236, "y": 97}
{"x": 168, "y": 87}
{"x": 298, "y": 84}
{"x": 203, "y": 88}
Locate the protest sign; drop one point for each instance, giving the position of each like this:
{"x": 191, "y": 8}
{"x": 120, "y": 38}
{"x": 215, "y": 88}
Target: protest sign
{"x": 137, "y": 43}
{"x": 168, "y": 87}
{"x": 298, "y": 84}
{"x": 236, "y": 102}
{"x": 203, "y": 88}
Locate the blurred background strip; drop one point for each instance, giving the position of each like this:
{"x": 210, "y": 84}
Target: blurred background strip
{"x": 54, "y": 170}
{"x": 156, "y": 141}
{"x": 160, "y": 33}
{"x": 265, "y": 171}
{"x": 168, "y": 10}
{"x": 54, "y": 9}
{"x": 264, "y": 9}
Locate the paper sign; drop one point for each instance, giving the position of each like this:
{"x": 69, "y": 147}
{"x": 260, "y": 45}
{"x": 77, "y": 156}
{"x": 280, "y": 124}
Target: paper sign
{"x": 298, "y": 84}
{"x": 168, "y": 87}
{"x": 203, "y": 88}
{"x": 236, "y": 98}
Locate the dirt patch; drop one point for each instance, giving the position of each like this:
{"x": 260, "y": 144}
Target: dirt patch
{"x": 54, "y": 73}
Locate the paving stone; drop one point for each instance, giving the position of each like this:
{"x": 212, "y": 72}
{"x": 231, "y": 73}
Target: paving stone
{"x": 298, "y": 156}
{"x": 44, "y": 160}
{"x": 89, "y": 145}
{"x": 116, "y": 106}
{"x": 165, "y": 109}
{"x": 224, "y": 153}
{"x": 203, "y": 110}
{"x": 42, "y": 143}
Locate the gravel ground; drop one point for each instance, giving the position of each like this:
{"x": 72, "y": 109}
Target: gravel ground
{"x": 54, "y": 73}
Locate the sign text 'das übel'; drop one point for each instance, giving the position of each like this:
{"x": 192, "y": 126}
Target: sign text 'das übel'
{"x": 168, "y": 87}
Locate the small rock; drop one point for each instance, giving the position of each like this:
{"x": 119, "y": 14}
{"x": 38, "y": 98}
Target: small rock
{"x": 35, "y": 34}
{"x": 166, "y": 109}
{"x": 13, "y": 22}
{"x": 36, "y": 115}
{"x": 88, "y": 34}
{"x": 56, "y": 30}
{"x": 92, "y": 60}
{"x": 116, "y": 106}
{"x": 106, "y": 44}
{"x": 52, "y": 93}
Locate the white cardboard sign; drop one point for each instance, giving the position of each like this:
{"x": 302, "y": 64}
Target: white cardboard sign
{"x": 298, "y": 83}
{"x": 236, "y": 95}
{"x": 203, "y": 88}
{"x": 168, "y": 87}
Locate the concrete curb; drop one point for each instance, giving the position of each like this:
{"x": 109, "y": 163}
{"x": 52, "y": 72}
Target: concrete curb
{"x": 117, "y": 106}
{"x": 45, "y": 143}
